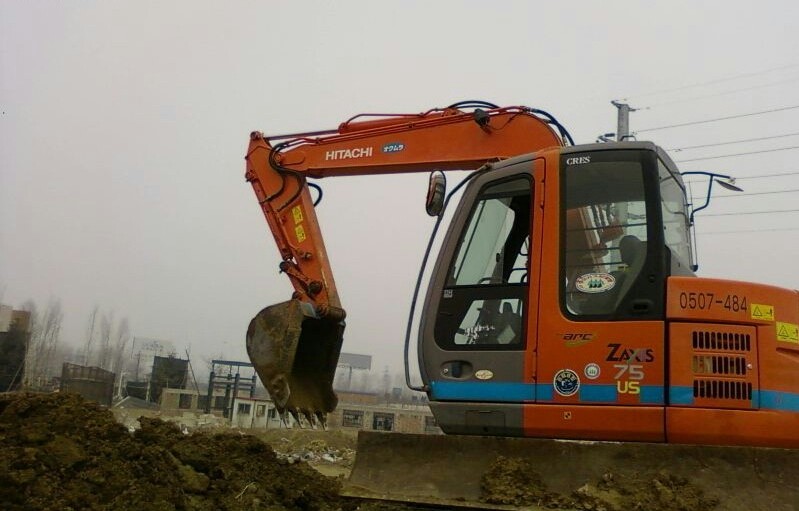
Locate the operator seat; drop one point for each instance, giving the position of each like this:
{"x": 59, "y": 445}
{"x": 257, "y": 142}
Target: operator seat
{"x": 509, "y": 325}
{"x": 633, "y": 254}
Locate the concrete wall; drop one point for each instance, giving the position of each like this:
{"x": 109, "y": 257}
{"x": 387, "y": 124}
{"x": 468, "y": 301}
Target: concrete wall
{"x": 254, "y": 413}
{"x": 403, "y": 419}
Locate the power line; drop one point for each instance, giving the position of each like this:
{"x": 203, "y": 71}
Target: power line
{"x": 711, "y": 82}
{"x": 725, "y": 93}
{"x": 754, "y": 212}
{"x": 756, "y": 193}
{"x": 719, "y": 119}
{"x": 780, "y": 174}
{"x": 678, "y": 149}
{"x": 748, "y": 230}
{"x": 741, "y": 154}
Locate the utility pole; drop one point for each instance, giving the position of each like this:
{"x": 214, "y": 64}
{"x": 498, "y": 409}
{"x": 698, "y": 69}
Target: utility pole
{"x": 623, "y": 123}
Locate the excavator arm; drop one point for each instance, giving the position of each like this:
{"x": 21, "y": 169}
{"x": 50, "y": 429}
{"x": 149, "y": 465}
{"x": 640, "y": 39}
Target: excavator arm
{"x": 295, "y": 345}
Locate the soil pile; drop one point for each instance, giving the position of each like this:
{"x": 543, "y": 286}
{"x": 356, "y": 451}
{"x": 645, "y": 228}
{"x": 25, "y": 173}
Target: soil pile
{"x": 63, "y": 453}
{"x": 514, "y": 481}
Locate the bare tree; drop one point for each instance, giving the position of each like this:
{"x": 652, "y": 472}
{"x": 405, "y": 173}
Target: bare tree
{"x": 121, "y": 338}
{"x": 91, "y": 333}
{"x": 45, "y": 333}
{"x": 104, "y": 357}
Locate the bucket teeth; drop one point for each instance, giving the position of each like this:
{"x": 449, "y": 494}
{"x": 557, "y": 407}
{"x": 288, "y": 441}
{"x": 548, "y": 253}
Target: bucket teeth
{"x": 321, "y": 417}
{"x": 296, "y": 415}
{"x": 310, "y": 418}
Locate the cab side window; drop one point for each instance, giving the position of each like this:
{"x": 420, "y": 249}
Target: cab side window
{"x": 484, "y": 299}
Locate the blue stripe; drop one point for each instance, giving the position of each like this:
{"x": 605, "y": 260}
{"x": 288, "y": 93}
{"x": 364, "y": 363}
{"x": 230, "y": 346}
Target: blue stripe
{"x": 541, "y": 392}
{"x": 681, "y": 395}
{"x": 774, "y": 400}
{"x": 592, "y": 393}
{"x": 544, "y": 392}
{"x": 652, "y": 394}
{"x": 482, "y": 391}
{"x": 598, "y": 393}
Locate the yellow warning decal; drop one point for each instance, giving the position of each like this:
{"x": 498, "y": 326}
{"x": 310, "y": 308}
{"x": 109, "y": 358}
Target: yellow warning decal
{"x": 297, "y": 212}
{"x": 787, "y": 332}
{"x": 762, "y": 312}
{"x": 300, "y": 232}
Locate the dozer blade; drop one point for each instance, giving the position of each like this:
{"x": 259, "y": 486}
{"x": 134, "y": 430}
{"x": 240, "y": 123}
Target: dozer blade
{"x": 295, "y": 355}
{"x": 521, "y": 473}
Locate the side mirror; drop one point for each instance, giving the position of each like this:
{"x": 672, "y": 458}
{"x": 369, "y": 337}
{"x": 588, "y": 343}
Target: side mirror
{"x": 436, "y": 192}
{"x": 724, "y": 181}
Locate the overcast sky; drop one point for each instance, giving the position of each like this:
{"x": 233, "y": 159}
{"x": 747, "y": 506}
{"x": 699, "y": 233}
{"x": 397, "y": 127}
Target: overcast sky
{"x": 124, "y": 126}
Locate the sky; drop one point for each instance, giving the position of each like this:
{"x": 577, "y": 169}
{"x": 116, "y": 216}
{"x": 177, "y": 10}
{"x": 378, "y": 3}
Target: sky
{"x": 124, "y": 126}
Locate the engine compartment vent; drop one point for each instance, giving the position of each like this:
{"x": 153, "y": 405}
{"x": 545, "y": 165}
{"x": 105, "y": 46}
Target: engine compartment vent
{"x": 729, "y": 341}
{"x": 719, "y": 364}
{"x": 722, "y": 389}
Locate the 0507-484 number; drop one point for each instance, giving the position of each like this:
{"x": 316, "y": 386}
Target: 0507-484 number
{"x": 706, "y": 301}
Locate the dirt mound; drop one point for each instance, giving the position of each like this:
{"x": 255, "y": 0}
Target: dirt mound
{"x": 514, "y": 481}
{"x": 62, "y": 453}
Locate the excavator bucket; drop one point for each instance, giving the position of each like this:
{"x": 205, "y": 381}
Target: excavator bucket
{"x": 295, "y": 355}
{"x": 461, "y": 472}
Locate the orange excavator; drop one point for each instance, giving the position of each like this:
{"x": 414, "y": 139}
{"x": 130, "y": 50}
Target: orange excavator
{"x": 563, "y": 302}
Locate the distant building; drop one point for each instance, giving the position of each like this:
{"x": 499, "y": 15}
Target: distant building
{"x": 14, "y": 338}
{"x": 93, "y": 383}
{"x": 168, "y": 373}
{"x": 399, "y": 418}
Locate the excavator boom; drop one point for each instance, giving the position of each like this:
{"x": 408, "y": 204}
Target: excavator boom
{"x": 295, "y": 345}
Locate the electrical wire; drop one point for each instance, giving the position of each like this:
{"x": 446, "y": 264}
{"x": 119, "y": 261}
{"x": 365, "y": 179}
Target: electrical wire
{"x": 740, "y": 154}
{"x": 755, "y": 193}
{"x": 767, "y": 212}
{"x": 764, "y": 176}
{"x": 779, "y": 174}
{"x": 718, "y": 94}
{"x": 712, "y": 82}
{"x": 761, "y": 112}
{"x": 776, "y": 229}
{"x": 678, "y": 149}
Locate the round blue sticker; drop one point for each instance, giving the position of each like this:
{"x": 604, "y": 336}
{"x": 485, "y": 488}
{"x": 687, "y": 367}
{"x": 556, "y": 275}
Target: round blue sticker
{"x": 566, "y": 382}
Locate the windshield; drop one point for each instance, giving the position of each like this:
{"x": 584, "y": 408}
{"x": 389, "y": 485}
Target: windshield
{"x": 605, "y": 233}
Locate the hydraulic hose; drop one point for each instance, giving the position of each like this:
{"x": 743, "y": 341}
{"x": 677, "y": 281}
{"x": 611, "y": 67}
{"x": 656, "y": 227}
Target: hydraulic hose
{"x": 482, "y": 170}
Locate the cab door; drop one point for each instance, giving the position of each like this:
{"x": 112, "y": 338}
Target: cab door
{"x": 478, "y": 337}
{"x": 601, "y": 351}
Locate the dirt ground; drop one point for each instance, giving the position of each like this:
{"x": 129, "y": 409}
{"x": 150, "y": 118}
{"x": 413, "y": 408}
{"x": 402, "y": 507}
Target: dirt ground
{"x": 513, "y": 481}
{"x": 63, "y": 453}
{"x": 60, "y": 452}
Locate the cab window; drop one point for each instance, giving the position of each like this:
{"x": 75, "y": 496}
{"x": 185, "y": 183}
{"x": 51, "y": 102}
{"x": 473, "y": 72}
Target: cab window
{"x": 484, "y": 300}
{"x": 675, "y": 215}
{"x": 604, "y": 234}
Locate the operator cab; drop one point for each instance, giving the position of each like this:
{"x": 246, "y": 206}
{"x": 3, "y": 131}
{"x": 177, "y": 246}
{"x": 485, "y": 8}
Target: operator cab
{"x": 562, "y": 242}
{"x": 624, "y": 228}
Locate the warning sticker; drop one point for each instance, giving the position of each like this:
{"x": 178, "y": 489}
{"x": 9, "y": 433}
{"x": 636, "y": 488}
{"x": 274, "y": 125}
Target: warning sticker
{"x": 296, "y": 211}
{"x": 787, "y": 332}
{"x": 762, "y": 312}
{"x": 300, "y": 232}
